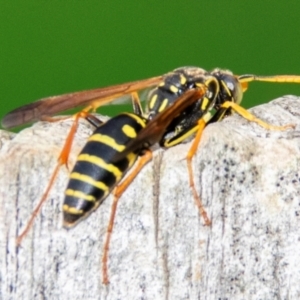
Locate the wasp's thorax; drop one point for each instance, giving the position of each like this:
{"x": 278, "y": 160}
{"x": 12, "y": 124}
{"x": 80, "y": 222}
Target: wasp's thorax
{"x": 221, "y": 86}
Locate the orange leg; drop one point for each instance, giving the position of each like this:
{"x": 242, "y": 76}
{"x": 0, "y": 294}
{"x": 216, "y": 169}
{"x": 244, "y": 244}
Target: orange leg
{"x": 119, "y": 190}
{"x": 62, "y": 160}
{"x": 38, "y": 207}
{"x": 136, "y": 103}
{"x": 201, "y": 125}
{"x": 64, "y": 154}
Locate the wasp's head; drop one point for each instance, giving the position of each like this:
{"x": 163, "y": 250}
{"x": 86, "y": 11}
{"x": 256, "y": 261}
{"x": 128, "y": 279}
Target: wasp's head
{"x": 230, "y": 87}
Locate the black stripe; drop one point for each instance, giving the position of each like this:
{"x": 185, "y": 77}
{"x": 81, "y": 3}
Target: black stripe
{"x": 113, "y": 128}
{"x": 79, "y": 204}
{"x": 86, "y": 188}
{"x": 70, "y": 219}
{"x": 105, "y": 152}
{"x": 95, "y": 172}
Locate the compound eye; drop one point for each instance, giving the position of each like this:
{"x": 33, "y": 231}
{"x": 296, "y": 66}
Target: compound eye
{"x": 232, "y": 87}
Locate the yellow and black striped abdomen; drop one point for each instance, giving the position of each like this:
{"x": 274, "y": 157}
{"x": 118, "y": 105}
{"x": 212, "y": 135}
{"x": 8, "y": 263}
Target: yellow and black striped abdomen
{"x": 97, "y": 170}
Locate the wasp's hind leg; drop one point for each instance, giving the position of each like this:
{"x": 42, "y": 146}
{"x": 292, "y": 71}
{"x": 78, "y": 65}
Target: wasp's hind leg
{"x": 62, "y": 160}
{"x": 117, "y": 193}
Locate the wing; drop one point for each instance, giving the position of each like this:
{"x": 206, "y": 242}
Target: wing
{"x": 156, "y": 128}
{"x": 56, "y": 104}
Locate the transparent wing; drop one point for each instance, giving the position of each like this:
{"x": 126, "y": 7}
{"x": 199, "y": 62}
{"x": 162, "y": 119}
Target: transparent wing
{"x": 52, "y": 105}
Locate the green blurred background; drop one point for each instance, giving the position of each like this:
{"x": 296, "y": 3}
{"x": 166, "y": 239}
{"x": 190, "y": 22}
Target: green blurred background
{"x": 53, "y": 47}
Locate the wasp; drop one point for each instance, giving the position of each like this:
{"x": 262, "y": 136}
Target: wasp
{"x": 179, "y": 105}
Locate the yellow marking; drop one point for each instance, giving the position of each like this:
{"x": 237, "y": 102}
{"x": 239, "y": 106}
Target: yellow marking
{"x": 199, "y": 84}
{"x": 79, "y": 194}
{"x": 163, "y": 105}
{"x": 182, "y": 137}
{"x": 182, "y": 79}
{"x": 173, "y": 89}
{"x": 152, "y": 101}
{"x": 102, "y": 164}
{"x": 85, "y": 178}
{"x": 131, "y": 159}
{"x": 138, "y": 119}
{"x": 162, "y": 83}
{"x": 107, "y": 140}
{"x": 72, "y": 210}
{"x": 129, "y": 131}
{"x": 204, "y": 104}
